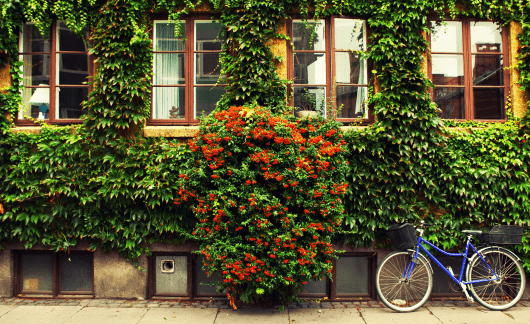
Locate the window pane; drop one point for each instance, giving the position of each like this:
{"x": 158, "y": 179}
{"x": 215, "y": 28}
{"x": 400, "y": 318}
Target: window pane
{"x": 315, "y": 287}
{"x": 175, "y": 280}
{"x": 488, "y": 69}
{"x": 352, "y": 275}
{"x": 349, "y": 68}
{"x": 36, "y": 69}
{"x": 309, "y": 68}
{"x": 486, "y": 36}
{"x": 207, "y": 68}
{"x": 206, "y": 36}
{"x": 168, "y": 69}
{"x": 446, "y": 37}
{"x": 73, "y": 68}
{"x": 451, "y": 101}
{"x": 165, "y": 39}
{"x": 76, "y": 273}
{"x": 489, "y": 103}
{"x": 302, "y": 36}
{"x": 206, "y": 99}
{"x": 168, "y": 103}
{"x": 448, "y": 69}
{"x": 350, "y": 34}
{"x": 352, "y": 100}
{"x": 442, "y": 282}
{"x": 68, "y": 41}
{"x": 202, "y": 277}
{"x": 310, "y": 98}
{"x": 33, "y": 41}
{"x": 36, "y": 103}
{"x": 69, "y": 100}
{"x": 37, "y": 273}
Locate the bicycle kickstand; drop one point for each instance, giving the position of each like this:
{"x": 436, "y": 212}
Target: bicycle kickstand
{"x": 464, "y": 288}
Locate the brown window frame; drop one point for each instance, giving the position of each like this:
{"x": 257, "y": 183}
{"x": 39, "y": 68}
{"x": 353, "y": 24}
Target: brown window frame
{"x": 53, "y": 53}
{"x": 56, "y": 276}
{"x": 189, "y": 71}
{"x": 330, "y": 52}
{"x": 468, "y": 69}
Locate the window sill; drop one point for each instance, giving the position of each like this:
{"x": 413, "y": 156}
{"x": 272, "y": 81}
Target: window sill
{"x": 170, "y": 131}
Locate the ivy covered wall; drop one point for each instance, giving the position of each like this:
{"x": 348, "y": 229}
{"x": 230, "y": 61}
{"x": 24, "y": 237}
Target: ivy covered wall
{"x": 105, "y": 183}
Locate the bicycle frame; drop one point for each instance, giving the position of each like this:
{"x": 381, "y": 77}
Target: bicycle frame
{"x": 459, "y": 281}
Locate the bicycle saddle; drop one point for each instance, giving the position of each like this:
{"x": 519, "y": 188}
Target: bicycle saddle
{"x": 472, "y": 232}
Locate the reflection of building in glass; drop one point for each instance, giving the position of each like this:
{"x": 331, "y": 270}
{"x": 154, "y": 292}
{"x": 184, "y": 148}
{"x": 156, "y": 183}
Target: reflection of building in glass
{"x": 487, "y": 71}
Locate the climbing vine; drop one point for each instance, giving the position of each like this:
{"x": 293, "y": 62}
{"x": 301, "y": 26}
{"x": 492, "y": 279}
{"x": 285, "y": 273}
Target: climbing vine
{"x": 105, "y": 183}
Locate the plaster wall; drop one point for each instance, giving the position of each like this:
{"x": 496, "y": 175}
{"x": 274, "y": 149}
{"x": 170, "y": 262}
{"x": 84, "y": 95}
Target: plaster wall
{"x": 519, "y": 98}
{"x": 6, "y": 273}
{"x": 115, "y": 277}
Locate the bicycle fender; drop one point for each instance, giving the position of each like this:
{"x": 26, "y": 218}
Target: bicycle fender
{"x": 423, "y": 257}
{"x": 495, "y": 248}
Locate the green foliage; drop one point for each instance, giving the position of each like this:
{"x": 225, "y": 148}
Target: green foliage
{"x": 105, "y": 183}
{"x": 266, "y": 190}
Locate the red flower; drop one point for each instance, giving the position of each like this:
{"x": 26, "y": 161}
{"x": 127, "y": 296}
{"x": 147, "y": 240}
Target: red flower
{"x": 285, "y": 261}
{"x": 272, "y": 256}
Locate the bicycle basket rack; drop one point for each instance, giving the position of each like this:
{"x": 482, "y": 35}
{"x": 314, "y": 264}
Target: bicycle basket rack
{"x": 403, "y": 236}
{"x": 502, "y": 235}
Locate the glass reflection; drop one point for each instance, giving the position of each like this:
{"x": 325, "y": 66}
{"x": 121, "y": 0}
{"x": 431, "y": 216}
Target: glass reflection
{"x": 70, "y": 100}
{"x": 302, "y": 36}
{"x": 207, "y": 68}
{"x": 76, "y": 273}
{"x": 349, "y": 68}
{"x": 68, "y": 41}
{"x": 165, "y": 39}
{"x": 309, "y": 68}
{"x": 36, "y": 69}
{"x": 207, "y": 37}
{"x": 33, "y": 40}
{"x": 488, "y": 103}
{"x": 351, "y": 102}
{"x": 310, "y": 98}
{"x": 488, "y": 69}
{"x": 447, "y": 69}
{"x": 451, "y": 101}
{"x": 350, "y": 34}
{"x": 486, "y": 36}
{"x": 446, "y": 36}
{"x": 73, "y": 68}
{"x": 206, "y": 99}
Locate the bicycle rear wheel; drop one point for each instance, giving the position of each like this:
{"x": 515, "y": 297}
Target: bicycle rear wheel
{"x": 398, "y": 293}
{"x": 500, "y": 294}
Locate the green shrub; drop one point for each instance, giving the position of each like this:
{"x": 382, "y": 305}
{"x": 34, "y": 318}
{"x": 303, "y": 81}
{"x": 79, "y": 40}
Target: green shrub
{"x": 267, "y": 191}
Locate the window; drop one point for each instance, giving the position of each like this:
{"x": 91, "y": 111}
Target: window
{"x": 186, "y": 70}
{"x": 353, "y": 278}
{"x": 326, "y": 63}
{"x": 54, "y": 71}
{"x": 61, "y": 274}
{"x": 467, "y": 69}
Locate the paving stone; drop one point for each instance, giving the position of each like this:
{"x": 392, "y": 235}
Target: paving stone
{"x": 314, "y": 305}
{"x": 164, "y": 306}
{"x": 125, "y": 305}
{"x": 326, "y": 305}
{"x": 338, "y": 306}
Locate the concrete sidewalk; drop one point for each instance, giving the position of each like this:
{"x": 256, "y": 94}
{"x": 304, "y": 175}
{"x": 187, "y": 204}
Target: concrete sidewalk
{"x": 27, "y": 311}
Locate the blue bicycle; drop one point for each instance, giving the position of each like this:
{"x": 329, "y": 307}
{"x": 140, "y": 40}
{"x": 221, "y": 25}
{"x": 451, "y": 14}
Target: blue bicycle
{"x": 494, "y": 275}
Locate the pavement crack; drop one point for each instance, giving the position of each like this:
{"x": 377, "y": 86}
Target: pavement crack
{"x": 216, "y": 314}
{"x": 141, "y": 318}
{"x": 80, "y": 309}
{"x": 430, "y": 311}
{"x": 361, "y": 314}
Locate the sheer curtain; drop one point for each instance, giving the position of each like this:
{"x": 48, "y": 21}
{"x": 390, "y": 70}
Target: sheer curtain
{"x": 168, "y": 70}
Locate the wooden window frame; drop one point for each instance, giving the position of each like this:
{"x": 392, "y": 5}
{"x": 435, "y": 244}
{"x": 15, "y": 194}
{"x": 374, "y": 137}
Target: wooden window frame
{"x": 53, "y": 53}
{"x": 330, "y": 66}
{"x": 468, "y": 68}
{"x": 189, "y": 71}
{"x": 56, "y": 276}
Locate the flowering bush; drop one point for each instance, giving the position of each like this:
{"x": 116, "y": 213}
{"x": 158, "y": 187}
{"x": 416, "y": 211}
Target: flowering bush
{"x": 267, "y": 191}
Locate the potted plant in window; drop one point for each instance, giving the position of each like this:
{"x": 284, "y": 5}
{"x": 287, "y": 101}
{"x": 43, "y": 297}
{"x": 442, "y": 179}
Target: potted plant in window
{"x": 307, "y": 105}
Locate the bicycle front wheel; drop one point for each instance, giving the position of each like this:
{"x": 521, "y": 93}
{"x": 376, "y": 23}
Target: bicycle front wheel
{"x": 397, "y": 292}
{"x": 504, "y": 292}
